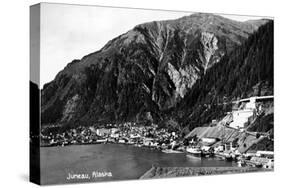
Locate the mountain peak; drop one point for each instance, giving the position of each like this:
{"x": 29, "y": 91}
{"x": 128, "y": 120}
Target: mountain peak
{"x": 202, "y": 15}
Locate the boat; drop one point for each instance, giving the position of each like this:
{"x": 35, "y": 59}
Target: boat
{"x": 171, "y": 151}
{"x": 194, "y": 151}
{"x": 207, "y": 154}
{"x": 224, "y": 156}
{"x": 207, "y": 151}
{"x": 228, "y": 157}
{"x": 101, "y": 141}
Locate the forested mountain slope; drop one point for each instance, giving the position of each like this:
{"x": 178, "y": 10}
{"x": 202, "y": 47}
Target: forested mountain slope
{"x": 246, "y": 72}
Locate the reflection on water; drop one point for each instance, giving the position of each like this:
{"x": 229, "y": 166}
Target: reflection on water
{"x": 123, "y": 161}
{"x": 194, "y": 159}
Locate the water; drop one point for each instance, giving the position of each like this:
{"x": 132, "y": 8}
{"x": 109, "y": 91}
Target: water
{"x": 123, "y": 161}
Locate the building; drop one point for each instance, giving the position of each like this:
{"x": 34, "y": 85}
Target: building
{"x": 266, "y": 154}
{"x": 103, "y": 132}
{"x": 148, "y": 141}
{"x": 242, "y": 117}
{"x": 209, "y": 140}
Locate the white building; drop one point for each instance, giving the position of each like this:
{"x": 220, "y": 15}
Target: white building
{"x": 209, "y": 140}
{"x": 103, "y": 132}
{"x": 242, "y": 117}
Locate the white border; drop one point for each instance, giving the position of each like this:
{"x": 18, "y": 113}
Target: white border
{"x": 15, "y": 90}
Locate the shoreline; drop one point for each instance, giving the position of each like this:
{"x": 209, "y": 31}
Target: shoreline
{"x": 167, "y": 172}
{"x": 98, "y": 143}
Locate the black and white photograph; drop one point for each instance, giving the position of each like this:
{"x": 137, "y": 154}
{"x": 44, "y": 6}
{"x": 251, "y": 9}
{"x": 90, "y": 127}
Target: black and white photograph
{"x": 131, "y": 94}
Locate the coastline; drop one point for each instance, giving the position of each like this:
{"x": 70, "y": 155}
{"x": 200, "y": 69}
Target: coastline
{"x": 128, "y": 162}
{"x": 166, "y": 172}
{"x": 104, "y": 143}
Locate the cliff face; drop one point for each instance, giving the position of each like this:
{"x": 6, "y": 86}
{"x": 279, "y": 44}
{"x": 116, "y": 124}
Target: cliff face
{"x": 143, "y": 72}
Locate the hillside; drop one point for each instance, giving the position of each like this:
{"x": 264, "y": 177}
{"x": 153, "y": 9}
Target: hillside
{"x": 246, "y": 72}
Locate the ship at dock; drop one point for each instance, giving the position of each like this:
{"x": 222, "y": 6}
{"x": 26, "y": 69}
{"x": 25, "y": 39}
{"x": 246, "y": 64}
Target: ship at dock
{"x": 196, "y": 151}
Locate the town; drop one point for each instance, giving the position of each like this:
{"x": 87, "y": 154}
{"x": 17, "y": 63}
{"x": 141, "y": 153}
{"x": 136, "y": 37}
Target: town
{"x": 126, "y": 133}
{"x": 229, "y": 139}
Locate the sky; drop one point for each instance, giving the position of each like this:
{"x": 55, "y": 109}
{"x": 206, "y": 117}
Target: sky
{"x": 70, "y": 32}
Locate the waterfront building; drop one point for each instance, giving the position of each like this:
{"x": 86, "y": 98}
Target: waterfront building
{"x": 147, "y": 141}
{"x": 241, "y": 117}
{"x": 248, "y": 111}
{"x": 103, "y": 132}
{"x": 209, "y": 140}
{"x": 267, "y": 154}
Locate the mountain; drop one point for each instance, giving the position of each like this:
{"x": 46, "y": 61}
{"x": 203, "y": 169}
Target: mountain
{"x": 247, "y": 71}
{"x": 143, "y": 74}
